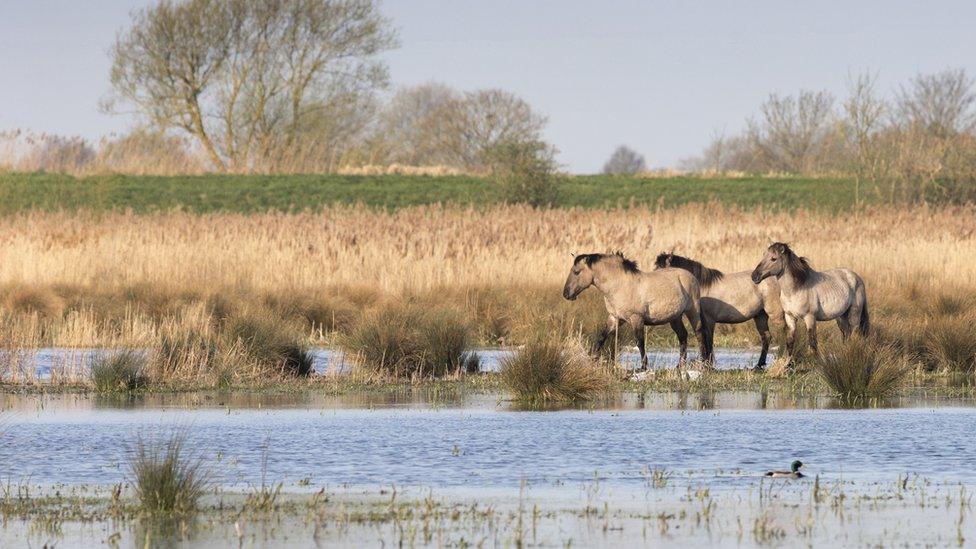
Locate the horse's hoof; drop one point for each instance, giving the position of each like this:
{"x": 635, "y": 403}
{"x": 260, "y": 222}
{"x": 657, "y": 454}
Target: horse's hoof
{"x": 692, "y": 375}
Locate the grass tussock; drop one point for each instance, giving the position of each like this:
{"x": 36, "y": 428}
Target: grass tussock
{"x": 268, "y": 344}
{"x": 123, "y": 371}
{"x": 165, "y": 477}
{"x": 546, "y": 371}
{"x": 863, "y": 368}
{"x": 407, "y": 340}
{"x": 949, "y": 344}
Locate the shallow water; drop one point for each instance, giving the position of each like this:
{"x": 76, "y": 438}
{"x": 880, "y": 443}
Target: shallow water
{"x": 657, "y": 469}
{"x": 71, "y": 363}
{"x": 488, "y": 447}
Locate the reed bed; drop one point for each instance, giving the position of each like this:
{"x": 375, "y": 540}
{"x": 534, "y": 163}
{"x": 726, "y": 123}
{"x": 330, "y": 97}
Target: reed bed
{"x": 155, "y": 280}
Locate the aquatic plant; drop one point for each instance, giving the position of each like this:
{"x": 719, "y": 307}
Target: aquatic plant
{"x": 121, "y": 371}
{"x": 165, "y": 478}
{"x": 551, "y": 371}
{"x": 406, "y": 340}
{"x": 862, "y": 368}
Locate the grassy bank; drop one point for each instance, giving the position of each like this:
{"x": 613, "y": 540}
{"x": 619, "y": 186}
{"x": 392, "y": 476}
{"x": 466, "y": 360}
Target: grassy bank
{"x": 291, "y": 193}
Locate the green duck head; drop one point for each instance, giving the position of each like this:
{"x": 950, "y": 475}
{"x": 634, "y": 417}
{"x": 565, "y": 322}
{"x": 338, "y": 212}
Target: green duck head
{"x": 796, "y": 466}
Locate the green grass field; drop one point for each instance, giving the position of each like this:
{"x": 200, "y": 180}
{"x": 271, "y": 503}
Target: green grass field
{"x": 245, "y": 193}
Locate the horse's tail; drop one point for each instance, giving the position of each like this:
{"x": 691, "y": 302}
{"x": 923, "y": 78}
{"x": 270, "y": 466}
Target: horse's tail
{"x": 864, "y": 323}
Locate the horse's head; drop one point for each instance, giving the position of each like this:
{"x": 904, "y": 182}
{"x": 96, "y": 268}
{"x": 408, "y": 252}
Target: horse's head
{"x": 580, "y": 275}
{"x": 773, "y": 263}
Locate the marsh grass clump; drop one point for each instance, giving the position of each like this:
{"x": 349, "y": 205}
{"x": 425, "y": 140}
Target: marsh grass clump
{"x": 185, "y": 350}
{"x": 949, "y": 344}
{"x": 268, "y": 344}
{"x": 410, "y": 341}
{"x": 122, "y": 371}
{"x": 545, "y": 371}
{"x": 166, "y": 479}
{"x": 863, "y": 368}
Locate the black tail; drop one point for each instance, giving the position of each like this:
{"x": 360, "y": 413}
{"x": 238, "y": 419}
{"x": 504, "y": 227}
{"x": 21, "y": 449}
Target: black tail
{"x": 864, "y": 326}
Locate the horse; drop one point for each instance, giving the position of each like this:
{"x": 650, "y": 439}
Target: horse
{"x": 639, "y": 299}
{"x": 810, "y": 295}
{"x": 729, "y": 298}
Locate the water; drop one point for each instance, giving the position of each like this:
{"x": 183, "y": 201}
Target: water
{"x": 469, "y": 469}
{"x": 71, "y": 363}
{"x": 459, "y": 447}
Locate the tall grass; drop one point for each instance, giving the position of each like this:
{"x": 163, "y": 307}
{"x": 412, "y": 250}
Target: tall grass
{"x": 269, "y": 344}
{"x": 180, "y": 283}
{"x": 547, "y": 371}
{"x": 862, "y": 368}
{"x": 949, "y": 343}
{"x": 165, "y": 477}
{"x": 121, "y": 371}
{"x": 408, "y": 340}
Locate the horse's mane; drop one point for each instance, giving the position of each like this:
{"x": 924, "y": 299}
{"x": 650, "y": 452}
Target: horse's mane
{"x": 629, "y": 265}
{"x": 705, "y": 276}
{"x": 798, "y": 266}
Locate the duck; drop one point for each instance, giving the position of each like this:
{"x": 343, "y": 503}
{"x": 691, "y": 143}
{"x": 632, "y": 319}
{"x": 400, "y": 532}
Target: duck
{"x": 794, "y": 471}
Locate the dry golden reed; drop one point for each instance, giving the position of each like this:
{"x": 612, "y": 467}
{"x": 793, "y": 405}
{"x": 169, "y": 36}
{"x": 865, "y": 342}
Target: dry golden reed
{"x": 101, "y": 279}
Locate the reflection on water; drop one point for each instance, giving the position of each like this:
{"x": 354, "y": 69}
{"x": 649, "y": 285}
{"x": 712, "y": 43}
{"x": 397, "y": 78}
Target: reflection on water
{"x": 70, "y": 363}
{"x": 445, "y": 396}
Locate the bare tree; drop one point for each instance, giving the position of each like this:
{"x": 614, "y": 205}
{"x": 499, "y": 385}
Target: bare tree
{"x": 249, "y": 79}
{"x": 411, "y": 128}
{"x": 791, "y": 129}
{"x": 942, "y": 104}
{"x": 625, "y": 160}
{"x": 864, "y": 118}
{"x": 483, "y": 119}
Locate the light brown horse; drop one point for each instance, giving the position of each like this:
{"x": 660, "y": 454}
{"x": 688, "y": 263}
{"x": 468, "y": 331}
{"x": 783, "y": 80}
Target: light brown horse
{"x": 639, "y": 298}
{"x": 808, "y": 295}
{"x": 730, "y": 298}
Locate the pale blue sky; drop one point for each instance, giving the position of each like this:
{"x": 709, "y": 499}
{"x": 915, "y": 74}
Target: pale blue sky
{"x": 662, "y": 77}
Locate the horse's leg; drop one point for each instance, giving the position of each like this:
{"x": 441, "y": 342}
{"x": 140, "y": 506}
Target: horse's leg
{"x": 762, "y": 326}
{"x": 811, "y": 323}
{"x": 790, "y": 337}
{"x": 611, "y": 326}
{"x": 844, "y": 324}
{"x": 679, "y": 330}
{"x": 639, "y": 336}
{"x": 704, "y": 335}
{"x": 707, "y": 333}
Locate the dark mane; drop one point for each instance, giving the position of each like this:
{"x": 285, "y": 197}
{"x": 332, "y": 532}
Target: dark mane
{"x": 705, "y": 276}
{"x": 629, "y": 265}
{"x": 798, "y": 266}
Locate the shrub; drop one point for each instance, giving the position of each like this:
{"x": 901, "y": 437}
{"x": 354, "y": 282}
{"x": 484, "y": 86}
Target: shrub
{"x": 525, "y": 172}
{"x": 124, "y": 371}
{"x": 546, "y": 371}
{"x": 165, "y": 479}
{"x": 407, "y": 340}
{"x": 268, "y": 343}
{"x": 862, "y": 368}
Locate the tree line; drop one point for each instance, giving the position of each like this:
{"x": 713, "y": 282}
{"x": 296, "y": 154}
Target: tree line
{"x": 917, "y": 144}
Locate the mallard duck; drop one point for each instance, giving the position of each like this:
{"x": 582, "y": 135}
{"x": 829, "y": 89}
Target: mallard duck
{"x": 794, "y": 471}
